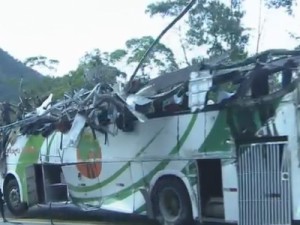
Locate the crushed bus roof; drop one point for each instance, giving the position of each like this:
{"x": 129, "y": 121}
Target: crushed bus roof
{"x": 103, "y": 105}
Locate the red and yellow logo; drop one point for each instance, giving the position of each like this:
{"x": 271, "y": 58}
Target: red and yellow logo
{"x": 88, "y": 150}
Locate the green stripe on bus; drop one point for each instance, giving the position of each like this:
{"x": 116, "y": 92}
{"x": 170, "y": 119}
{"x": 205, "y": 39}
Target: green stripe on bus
{"x": 29, "y": 155}
{"x": 49, "y": 147}
{"x": 219, "y": 133}
{"x": 129, "y": 190}
{"x": 140, "y": 209}
{"x": 115, "y": 175}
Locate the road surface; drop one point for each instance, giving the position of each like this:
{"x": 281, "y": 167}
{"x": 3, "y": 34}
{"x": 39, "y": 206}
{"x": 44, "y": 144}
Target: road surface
{"x": 71, "y": 215}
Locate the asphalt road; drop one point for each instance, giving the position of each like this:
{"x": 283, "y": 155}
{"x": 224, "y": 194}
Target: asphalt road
{"x": 71, "y": 215}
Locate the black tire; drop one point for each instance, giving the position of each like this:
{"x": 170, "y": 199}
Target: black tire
{"x": 171, "y": 202}
{"x": 13, "y": 199}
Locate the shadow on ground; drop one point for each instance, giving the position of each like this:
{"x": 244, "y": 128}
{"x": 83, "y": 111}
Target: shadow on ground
{"x": 71, "y": 212}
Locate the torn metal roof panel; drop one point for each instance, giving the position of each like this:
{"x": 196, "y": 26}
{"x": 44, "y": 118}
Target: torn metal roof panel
{"x": 170, "y": 79}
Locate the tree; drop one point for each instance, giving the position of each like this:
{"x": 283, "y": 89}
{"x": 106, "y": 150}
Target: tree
{"x": 166, "y": 8}
{"x": 92, "y": 59}
{"x": 98, "y": 67}
{"x": 210, "y": 23}
{"x": 161, "y": 57}
{"x": 275, "y": 4}
{"x": 117, "y": 55}
{"x": 42, "y": 62}
{"x": 287, "y": 4}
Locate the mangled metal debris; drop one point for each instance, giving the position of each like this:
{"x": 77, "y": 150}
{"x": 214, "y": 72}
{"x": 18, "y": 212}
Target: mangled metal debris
{"x": 186, "y": 89}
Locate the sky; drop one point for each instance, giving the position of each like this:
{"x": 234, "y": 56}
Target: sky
{"x": 66, "y": 29}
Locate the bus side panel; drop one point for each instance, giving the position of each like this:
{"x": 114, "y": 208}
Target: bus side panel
{"x": 17, "y": 160}
{"x": 118, "y": 192}
{"x": 137, "y": 173}
{"x": 230, "y": 191}
{"x": 287, "y": 122}
{"x": 293, "y": 146}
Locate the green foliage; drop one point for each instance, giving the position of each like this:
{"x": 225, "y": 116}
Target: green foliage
{"x": 94, "y": 67}
{"x": 275, "y": 4}
{"x": 160, "y": 57}
{"x": 68, "y": 83}
{"x": 117, "y": 55}
{"x": 166, "y": 8}
{"x": 41, "y": 61}
{"x": 218, "y": 26}
{"x": 92, "y": 59}
{"x": 12, "y": 72}
{"x": 210, "y": 23}
{"x": 97, "y": 67}
{"x": 287, "y": 4}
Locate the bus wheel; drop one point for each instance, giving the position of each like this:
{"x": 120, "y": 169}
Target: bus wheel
{"x": 13, "y": 199}
{"x": 171, "y": 202}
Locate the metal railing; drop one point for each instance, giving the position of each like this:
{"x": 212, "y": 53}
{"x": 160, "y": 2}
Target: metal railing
{"x": 264, "y": 184}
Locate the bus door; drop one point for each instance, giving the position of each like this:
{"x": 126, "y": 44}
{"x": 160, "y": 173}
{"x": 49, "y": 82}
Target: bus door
{"x": 264, "y": 181}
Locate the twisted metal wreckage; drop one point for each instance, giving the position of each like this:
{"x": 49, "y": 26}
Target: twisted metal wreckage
{"x": 168, "y": 94}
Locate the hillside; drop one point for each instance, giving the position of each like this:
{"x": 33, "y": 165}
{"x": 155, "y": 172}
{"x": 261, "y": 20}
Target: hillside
{"x": 11, "y": 72}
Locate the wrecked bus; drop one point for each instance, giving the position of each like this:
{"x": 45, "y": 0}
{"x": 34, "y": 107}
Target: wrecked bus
{"x": 211, "y": 142}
